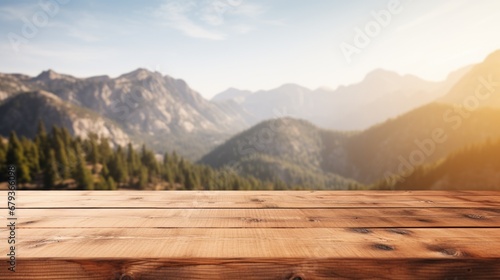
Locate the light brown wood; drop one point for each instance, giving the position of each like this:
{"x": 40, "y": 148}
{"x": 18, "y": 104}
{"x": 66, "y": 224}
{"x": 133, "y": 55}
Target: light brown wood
{"x": 247, "y": 200}
{"x": 221, "y": 243}
{"x": 258, "y": 193}
{"x": 254, "y": 235}
{"x": 259, "y": 218}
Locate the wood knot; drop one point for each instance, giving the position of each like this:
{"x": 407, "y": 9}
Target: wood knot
{"x": 383, "y": 247}
{"x": 447, "y": 251}
{"x": 474, "y": 216}
{"x": 362, "y": 230}
{"x": 252, "y": 220}
{"x": 427, "y": 221}
{"x": 296, "y": 277}
{"x": 126, "y": 276}
{"x": 399, "y": 231}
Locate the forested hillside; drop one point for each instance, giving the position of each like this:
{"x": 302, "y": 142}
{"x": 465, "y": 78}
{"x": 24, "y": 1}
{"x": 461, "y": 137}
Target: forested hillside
{"x": 476, "y": 167}
{"x": 56, "y": 160}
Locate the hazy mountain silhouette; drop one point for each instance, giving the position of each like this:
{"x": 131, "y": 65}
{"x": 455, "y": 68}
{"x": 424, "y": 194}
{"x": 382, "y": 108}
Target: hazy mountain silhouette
{"x": 380, "y": 95}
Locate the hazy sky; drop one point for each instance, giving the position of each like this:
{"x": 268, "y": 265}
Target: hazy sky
{"x": 247, "y": 44}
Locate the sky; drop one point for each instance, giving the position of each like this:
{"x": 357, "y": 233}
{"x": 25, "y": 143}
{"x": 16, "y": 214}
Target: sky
{"x": 247, "y": 44}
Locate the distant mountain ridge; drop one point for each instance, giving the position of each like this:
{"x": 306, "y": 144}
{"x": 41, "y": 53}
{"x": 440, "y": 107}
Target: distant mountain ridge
{"x": 380, "y": 95}
{"x": 424, "y": 135}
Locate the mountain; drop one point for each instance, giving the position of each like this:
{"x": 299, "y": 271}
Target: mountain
{"x": 426, "y": 134}
{"x": 234, "y": 94}
{"x": 423, "y": 135}
{"x": 162, "y": 111}
{"x": 10, "y": 84}
{"x": 476, "y": 167}
{"x": 479, "y": 88}
{"x": 380, "y": 95}
{"x": 289, "y": 149}
{"x": 22, "y": 112}
{"x": 408, "y": 92}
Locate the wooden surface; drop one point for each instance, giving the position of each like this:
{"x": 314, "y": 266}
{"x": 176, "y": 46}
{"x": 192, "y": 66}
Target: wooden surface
{"x": 254, "y": 235}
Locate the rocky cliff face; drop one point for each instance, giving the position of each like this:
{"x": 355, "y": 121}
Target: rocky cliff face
{"x": 145, "y": 105}
{"x": 22, "y": 113}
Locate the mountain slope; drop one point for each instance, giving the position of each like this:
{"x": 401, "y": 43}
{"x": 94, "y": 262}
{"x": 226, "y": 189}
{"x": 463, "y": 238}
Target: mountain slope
{"x": 421, "y": 136}
{"x": 479, "y": 87}
{"x": 286, "y": 148}
{"x": 11, "y": 84}
{"x": 22, "y": 112}
{"x": 424, "y": 135}
{"x": 473, "y": 168}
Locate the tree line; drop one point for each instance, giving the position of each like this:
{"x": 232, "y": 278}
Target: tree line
{"x": 57, "y": 160}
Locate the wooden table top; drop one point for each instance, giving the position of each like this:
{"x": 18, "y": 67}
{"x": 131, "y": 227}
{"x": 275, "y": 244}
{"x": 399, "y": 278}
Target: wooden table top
{"x": 294, "y": 235}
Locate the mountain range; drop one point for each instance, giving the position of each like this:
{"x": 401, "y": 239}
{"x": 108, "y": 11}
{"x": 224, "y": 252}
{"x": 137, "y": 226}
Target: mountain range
{"x": 395, "y": 147}
{"x": 161, "y": 111}
{"x": 385, "y": 126}
{"x": 380, "y": 95}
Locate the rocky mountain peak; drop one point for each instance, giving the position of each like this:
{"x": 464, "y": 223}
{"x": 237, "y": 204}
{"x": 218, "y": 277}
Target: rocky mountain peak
{"x": 48, "y": 75}
{"x": 140, "y": 74}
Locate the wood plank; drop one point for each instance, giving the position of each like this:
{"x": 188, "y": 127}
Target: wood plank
{"x": 255, "y": 235}
{"x": 258, "y": 193}
{"x": 256, "y": 269}
{"x": 179, "y": 243}
{"x": 257, "y": 218}
{"x": 197, "y": 200}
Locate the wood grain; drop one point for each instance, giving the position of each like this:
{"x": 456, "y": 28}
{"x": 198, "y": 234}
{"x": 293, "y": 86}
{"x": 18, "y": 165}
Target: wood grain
{"x": 259, "y": 218}
{"x": 247, "y": 200}
{"x": 254, "y": 235}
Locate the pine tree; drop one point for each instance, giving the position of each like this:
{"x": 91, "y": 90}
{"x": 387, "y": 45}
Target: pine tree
{"x": 143, "y": 178}
{"x": 166, "y": 159}
{"x": 117, "y": 168}
{"x": 105, "y": 170}
{"x": 104, "y": 150}
{"x": 148, "y": 159}
{"x": 41, "y": 142}
{"x": 3, "y": 159}
{"x": 15, "y": 156}
{"x": 132, "y": 162}
{"x": 73, "y": 151}
{"x": 61, "y": 157}
{"x": 191, "y": 180}
{"x": 83, "y": 177}
{"x": 168, "y": 175}
{"x": 41, "y": 129}
{"x": 32, "y": 156}
{"x": 65, "y": 136}
{"x": 175, "y": 158}
{"x": 111, "y": 184}
{"x": 93, "y": 152}
{"x": 50, "y": 173}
